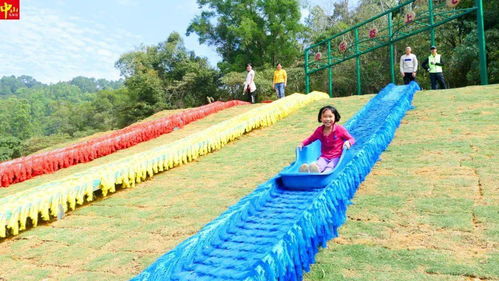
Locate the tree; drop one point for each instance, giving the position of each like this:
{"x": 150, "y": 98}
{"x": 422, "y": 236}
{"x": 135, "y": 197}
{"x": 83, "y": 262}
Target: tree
{"x": 10, "y": 147}
{"x": 21, "y": 126}
{"x": 163, "y": 76}
{"x": 256, "y": 31}
{"x": 317, "y": 22}
{"x": 39, "y": 115}
{"x": 10, "y": 84}
{"x": 456, "y": 41}
{"x": 92, "y": 85}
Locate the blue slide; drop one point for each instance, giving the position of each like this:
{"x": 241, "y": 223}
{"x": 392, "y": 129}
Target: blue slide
{"x": 275, "y": 232}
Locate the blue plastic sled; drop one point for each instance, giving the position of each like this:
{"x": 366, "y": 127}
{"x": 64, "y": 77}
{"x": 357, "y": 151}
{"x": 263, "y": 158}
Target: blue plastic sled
{"x": 291, "y": 177}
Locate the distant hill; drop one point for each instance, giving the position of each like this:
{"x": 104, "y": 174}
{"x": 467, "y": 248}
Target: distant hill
{"x": 10, "y": 85}
{"x": 34, "y": 114}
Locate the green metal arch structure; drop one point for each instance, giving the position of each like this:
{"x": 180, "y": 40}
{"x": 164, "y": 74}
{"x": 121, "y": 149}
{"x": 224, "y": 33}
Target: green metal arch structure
{"x": 364, "y": 37}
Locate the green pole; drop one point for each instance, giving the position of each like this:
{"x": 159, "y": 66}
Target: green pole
{"x": 307, "y": 75}
{"x": 484, "y": 79}
{"x": 432, "y": 30}
{"x": 357, "y": 60}
{"x": 330, "y": 69}
{"x": 392, "y": 49}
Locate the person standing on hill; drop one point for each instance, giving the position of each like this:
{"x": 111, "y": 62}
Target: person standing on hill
{"x": 408, "y": 66}
{"x": 434, "y": 64}
{"x": 249, "y": 84}
{"x": 280, "y": 81}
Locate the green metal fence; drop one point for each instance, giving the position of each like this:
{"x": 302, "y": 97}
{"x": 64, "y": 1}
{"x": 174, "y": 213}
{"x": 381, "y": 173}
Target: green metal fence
{"x": 418, "y": 16}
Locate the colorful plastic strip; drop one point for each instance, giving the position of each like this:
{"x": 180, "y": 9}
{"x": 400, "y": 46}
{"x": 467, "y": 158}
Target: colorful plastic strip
{"x": 274, "y": 233}
{"x": 24, "y": 168}
{"x": 66, "y": 193}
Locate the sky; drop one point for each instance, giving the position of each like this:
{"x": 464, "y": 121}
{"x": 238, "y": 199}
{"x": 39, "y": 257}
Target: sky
{"x": 57, "y": 40}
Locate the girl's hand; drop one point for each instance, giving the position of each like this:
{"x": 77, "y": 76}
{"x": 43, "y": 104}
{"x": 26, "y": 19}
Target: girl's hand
{"x": 300, "y": 146}
{"x": 347, "y": 145}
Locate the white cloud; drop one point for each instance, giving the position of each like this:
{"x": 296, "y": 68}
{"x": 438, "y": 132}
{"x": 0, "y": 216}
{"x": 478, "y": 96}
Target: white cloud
{"x": 190, "y": 6}
{"x": 130, "y": 3}
{"x": 53, "y": 47}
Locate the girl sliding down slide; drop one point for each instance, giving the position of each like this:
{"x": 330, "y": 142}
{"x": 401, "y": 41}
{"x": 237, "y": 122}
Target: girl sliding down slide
{"x": 333, "y": 138}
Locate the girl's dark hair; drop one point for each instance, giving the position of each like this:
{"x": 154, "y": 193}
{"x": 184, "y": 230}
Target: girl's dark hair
{"x": 249, "y": 64}
{"x": 335, "y": 112}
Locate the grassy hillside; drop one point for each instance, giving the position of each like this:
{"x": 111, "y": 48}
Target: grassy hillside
{"x": 428, "y": 211}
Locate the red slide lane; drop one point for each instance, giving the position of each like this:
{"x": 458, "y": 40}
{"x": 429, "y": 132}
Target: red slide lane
{"x": 24, "y": 168}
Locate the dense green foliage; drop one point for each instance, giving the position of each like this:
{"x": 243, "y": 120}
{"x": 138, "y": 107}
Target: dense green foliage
{"x": 168, "y": 76}
{"x": 30, "y": 109}
{"x": 250, "y": 31}
{"x": 165, "y": 76}
{"x": 10, "y": 84}
{"x": 456, "y": 42}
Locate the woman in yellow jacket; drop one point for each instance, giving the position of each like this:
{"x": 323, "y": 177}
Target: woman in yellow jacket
{"x": 280, "y": 81}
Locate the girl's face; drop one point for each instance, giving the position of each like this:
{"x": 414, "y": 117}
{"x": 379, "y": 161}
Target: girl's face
{"x": 327, "y": 118}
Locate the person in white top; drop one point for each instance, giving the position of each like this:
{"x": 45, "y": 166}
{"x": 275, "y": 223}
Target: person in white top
{"x": 249, "y": 85}
{"x": 408, "y": 65}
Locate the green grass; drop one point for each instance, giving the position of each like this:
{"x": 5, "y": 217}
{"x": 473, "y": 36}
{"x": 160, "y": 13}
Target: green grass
{"x": 428, "y": 210}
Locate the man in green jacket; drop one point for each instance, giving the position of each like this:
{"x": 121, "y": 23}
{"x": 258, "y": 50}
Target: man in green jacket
{"x": 434, "y": 64}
